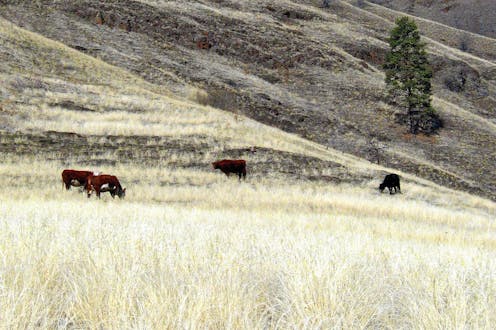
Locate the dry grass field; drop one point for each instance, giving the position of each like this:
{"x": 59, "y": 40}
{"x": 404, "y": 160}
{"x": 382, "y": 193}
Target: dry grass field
{"x": 200, "y": 251}
{"x": 306, "y": 242}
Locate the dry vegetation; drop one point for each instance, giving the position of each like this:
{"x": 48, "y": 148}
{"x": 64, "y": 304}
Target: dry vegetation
{"x": 197, "y": 250}
{"x": 306, "y": 242}
{"x": 292, "y": 65}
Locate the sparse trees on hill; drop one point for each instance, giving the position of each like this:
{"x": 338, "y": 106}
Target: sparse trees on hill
{"x": 408, "y": 76}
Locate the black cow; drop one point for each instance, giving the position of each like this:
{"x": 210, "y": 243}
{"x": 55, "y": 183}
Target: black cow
{"x": 391, "y": 181}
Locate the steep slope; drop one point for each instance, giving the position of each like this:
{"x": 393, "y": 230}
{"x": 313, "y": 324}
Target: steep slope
{"x": 476, "y": 16}
{"x": 294, "y": 66}
{"x": 61, "y": 105}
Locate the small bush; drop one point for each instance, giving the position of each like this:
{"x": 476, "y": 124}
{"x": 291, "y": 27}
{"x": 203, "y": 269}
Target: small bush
{"x": 430, "y": 121}
{"x": 360, "y": 3}
{"x": 454, "y": 83}
{"x": 21, "y": 83}
{"x": 198, "y": 96}
{"x": 217, "y": 98}
{"x": 464, "y": 45}
{"x": 222, "y": 99}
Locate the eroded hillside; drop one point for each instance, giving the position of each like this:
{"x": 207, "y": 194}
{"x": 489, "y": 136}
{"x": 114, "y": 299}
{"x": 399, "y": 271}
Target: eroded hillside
{"x": 476, "y": 16}
{"x": 289, "y": 64}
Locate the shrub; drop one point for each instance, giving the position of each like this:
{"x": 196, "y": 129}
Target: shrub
{"x": 217, "y": 98}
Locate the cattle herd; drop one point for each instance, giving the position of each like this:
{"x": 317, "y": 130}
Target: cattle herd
{"x": 98, "y": 182}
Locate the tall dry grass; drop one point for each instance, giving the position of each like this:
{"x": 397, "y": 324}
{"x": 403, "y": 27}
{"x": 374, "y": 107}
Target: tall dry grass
{"x": 202, "y": 251}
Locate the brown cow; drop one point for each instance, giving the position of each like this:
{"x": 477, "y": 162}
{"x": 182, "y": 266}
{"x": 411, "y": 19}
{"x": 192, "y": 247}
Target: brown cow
{"x": 75, "y": 178}
{"x": 103, "y": 183}
{"x": 228, "y": 166}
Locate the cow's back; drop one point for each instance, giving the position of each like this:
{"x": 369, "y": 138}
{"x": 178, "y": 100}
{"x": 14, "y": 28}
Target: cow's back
{"x": 75, "y": 174}
{"x": 237, "y": 164}
{"x": 99, "y": 180}
{"x": 392, "y": 179}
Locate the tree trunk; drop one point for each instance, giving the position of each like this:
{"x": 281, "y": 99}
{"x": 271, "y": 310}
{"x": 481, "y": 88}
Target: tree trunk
{"x": 414, "y": 118}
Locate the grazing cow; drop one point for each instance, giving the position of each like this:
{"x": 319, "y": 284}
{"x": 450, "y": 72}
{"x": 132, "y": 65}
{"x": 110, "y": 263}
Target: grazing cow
{"x": 228, "y": 166}
{"x": 391, "y": 181}
{"x": 75, "y": 178}
{"x": 103, "y": 183}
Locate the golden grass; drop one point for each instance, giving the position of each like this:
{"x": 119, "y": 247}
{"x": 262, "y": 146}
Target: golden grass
{"x": 193, "y": 249}
{"x": 199, "y": 250}
{"x": 36, "y": 56}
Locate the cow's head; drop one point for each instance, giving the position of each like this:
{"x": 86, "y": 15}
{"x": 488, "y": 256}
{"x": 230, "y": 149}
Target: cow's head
{"x": 215, "y": 165}
{"x": 382, "y": 186}
{"x": 121, "y": 193}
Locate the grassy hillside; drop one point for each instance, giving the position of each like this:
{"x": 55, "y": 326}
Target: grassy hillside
{"x": 294, "y": 66}
{"x": 306, "y": 241}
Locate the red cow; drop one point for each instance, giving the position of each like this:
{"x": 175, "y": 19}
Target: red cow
{"x": 103, "y": 183}
{"x": 75, "y": 178}
{"x": 228, "y": 166}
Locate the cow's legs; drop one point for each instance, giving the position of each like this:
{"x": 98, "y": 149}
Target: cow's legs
{"x": 80, "y": 185}
{"x": 87, "y": 187}
{"x": 390, "y": 190}
{"x": 97, "y": 191}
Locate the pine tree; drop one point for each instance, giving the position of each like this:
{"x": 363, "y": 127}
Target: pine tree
{"x": 408, "y": 76}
